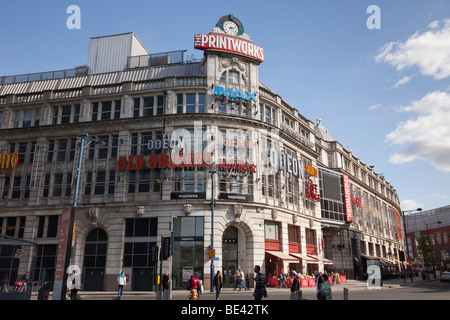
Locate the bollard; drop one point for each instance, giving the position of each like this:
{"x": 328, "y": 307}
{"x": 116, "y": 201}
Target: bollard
{"x": 345, "y": 294}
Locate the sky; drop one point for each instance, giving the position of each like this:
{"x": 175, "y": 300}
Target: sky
{"x": 377, "y": 73}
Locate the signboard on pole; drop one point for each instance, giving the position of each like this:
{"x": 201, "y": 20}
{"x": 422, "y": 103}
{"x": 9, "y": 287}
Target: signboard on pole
{"x": 60, "y": 258}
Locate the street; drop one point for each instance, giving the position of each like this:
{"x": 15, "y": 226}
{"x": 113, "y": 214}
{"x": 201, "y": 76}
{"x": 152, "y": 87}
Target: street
{"x": 398, "y": 290}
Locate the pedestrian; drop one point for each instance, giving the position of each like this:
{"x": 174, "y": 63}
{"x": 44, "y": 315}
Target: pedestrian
{"x": 217, "y": 282}
{"x": 325, "y": 288}
{"x": 5, "y": 283}
{"x": 74, "y": 285}
{"x": 295, "y": 286}
{"x": 281, "y": 280}
{"x": 260, "y": 284}
{"x": 193, "y": 284}
{"x": 236, "y": 276}
{"x": 318, "y": 278}
{"x": 121, "y": 282}
{"x": 241, "y": 280}
{"x": 25, "y": 279}
{"x": 165, "y": 280}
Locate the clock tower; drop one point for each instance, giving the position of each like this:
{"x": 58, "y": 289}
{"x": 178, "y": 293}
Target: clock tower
{"x": 231, "y": 61}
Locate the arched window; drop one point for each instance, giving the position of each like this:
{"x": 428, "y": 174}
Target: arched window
{"x": 231, "y": 77}
{"x": 95, "y": 249}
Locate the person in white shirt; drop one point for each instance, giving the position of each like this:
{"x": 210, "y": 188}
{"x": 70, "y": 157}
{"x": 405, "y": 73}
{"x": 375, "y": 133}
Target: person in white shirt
{"x": 122, "y": 282}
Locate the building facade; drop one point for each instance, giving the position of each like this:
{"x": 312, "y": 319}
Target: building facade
{"x": 434, "y": 226}
{"x": 178, "y": 134}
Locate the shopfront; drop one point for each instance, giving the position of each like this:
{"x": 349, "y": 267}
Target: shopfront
{"x": 188, "y": 249}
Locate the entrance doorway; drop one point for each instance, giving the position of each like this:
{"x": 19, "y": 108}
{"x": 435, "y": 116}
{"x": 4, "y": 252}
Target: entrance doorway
{"x": 230, "y": 256}
{"x": 95, "y": 260}
{"x": 93, "y": 279}
{"x": 143, "y": 279}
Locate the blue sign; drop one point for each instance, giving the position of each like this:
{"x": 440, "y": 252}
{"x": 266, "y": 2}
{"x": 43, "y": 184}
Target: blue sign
{"x": 220, "y": 91}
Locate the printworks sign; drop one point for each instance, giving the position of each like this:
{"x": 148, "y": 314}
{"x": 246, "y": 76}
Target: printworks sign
{"x": 228, "y": 36}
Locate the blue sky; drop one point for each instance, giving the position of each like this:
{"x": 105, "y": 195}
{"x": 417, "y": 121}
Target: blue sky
{"x": 384, "y": 93}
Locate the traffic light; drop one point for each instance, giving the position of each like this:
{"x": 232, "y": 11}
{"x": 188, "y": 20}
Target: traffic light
{"x": 155, "y": 253}
{"x": 166, "y": 248}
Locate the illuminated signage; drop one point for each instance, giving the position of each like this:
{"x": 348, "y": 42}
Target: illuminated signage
{"x": 348, "y": 201}
{"x": 161, "y": 161}
{"x": 311, "y": 191}
{"x": 311, "y": 170}
{"x": 8, "y": 160}
{"x": 220, "y": 91}
{"x": 228, "y": 44}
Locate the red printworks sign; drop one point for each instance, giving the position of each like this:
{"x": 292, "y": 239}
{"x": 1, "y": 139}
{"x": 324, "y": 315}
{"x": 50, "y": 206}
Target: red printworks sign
{"x": 348, "y": 201}
{"x": 229, "y": 44}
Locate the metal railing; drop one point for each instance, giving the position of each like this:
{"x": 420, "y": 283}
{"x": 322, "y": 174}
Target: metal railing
{"x": 81, "y": 71}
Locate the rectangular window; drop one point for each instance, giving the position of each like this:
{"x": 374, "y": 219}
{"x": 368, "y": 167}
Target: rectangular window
{"x": 106, "y": 110}
{"x": 65, "y": 117}
{"x": 190, "y": 103}
{"x": 61, "y": 153}
{"x": 57, "y": 185}
{"x": 148, "y": 107}
{"x": 159, "y": 105}
{"x": 17, "y": 182}
{"x": 28, "y": 115}
{"x": 95, "y": 111}
{"x": 46, "y": 188}
{"x": 76, "y": 113}
{"x": 117, "y": 106}
{"x": 179, "y": 103}
{"x": 100, "y": 182}
{"x": 111, "y": 182}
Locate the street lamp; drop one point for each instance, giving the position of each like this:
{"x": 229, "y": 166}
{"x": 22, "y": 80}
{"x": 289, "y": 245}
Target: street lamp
{"x": 429, "y": 242}
{"x": 212, "y": 229}
{"x": 68, "y": 253}
{"x": 406, "y": 240}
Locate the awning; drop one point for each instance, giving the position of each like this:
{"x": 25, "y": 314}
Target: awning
{"x": 283, "y": 256}
{"x": 316, "y": 259}
{"x": 370, "y": 257}
{"x": 300, "y": 256}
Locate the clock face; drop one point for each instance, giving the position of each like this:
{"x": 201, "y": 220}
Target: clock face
{"x": 230, "y": 27}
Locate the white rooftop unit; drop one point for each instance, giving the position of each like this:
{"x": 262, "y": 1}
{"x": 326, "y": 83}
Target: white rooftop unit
{"x": 110, "y": 53}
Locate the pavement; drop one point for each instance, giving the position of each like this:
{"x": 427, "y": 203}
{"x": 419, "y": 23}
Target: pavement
{"x": 350, "y": 285}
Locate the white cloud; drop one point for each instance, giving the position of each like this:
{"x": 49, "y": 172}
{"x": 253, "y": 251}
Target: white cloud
{"x": 427, "y": 137}
{"x": 409, "y": 204}
{"x": 402, "y": 81}
{"x": 428, "y": 51}
{"x": 374, "y": 107}
{"x": 438, "y": 196}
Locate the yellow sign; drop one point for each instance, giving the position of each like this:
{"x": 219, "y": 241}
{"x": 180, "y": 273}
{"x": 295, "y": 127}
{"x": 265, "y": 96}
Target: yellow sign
{"x": 311, "y": 170}
{"x": 212, "y": 253}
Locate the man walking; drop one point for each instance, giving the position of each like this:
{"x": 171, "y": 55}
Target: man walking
{"x": 217, "y": 282}
{"x": 122, "y": 282}
{"x": 260, "y": 284}
{"x": 241, "y": 280}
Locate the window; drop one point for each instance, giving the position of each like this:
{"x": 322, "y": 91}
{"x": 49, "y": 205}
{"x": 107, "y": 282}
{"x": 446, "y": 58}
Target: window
{"x": 190, "y": 103}
{"x": 57, "y": 185}
{"x": 148, "y": 106}
{"x": 63, "y": 114}
{"x": 100, "y": 182}
{"x": 48, "y": 227}
{"x": 231, "y": 77}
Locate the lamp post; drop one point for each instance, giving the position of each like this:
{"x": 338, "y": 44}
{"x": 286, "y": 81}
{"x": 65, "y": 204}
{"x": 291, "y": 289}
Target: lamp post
{"x": 68, "y": 253}
{"x": 406, "y": 240}
{"x": 429, "y": 242}
{"x": 212, "y": 229}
